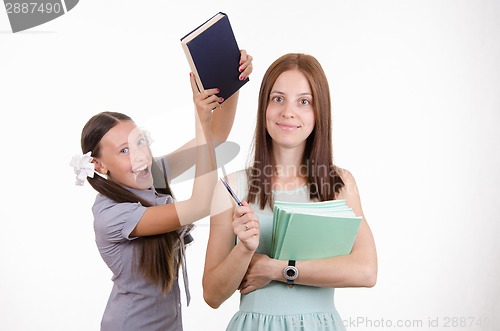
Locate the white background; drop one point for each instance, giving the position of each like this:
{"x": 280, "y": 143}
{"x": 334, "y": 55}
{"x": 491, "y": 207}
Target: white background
{"x": 416, "y": 111}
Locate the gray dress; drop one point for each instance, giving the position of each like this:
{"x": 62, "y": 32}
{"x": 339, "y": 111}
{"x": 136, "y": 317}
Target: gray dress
{"x": 134, "y": 303}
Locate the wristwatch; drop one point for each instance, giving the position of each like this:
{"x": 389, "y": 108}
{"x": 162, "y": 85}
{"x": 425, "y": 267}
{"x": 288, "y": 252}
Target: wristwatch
{"x": 290, "y": 272}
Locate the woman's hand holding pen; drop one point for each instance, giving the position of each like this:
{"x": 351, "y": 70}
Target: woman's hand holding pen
{"x": 246, "y": 226}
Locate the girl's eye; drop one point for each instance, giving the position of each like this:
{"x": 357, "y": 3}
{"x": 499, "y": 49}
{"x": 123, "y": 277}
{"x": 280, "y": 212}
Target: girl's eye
{"x": 305, "y": 102}
{"x": 277, "y": 99}
{"x": 124, "y": 150}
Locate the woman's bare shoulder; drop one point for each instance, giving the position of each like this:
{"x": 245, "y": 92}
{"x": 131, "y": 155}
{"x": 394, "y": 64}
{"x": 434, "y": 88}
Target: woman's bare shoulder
{"x": 349, "y": 183}
{"x": 346, "y": 176}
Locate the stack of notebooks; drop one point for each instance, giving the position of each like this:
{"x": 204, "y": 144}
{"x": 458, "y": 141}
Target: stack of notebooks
{"x": 314, "y": 230}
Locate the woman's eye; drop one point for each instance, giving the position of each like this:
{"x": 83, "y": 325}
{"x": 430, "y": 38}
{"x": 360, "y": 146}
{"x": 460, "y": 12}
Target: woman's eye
{"x": 277, "y": 99}
{"x": 305, "y": 102}
{"x": 141, "y": 142}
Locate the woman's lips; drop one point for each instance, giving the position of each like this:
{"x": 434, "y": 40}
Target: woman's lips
{"x": 287, "y": 126}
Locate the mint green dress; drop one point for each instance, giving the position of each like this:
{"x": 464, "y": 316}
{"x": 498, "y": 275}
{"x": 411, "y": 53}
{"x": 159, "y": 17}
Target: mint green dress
{"x": 277, "y": 306}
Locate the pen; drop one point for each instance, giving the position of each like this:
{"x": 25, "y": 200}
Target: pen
{"x": 231, "y": 192}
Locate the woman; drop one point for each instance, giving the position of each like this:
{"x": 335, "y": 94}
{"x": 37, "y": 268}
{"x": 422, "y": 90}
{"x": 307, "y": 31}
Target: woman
{"x": 292, "y": 162}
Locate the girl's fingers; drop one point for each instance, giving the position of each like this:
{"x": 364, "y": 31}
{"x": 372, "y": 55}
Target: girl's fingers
{"x": 194, "y": 86}
{"x": 243, "y": 55}
{"x": 207, "y": 100}
{"x": 208, "y": 95}
{"x": 246, "y": 70}
{"x": 211, "y": 92}
{"x": 196, "y": 91}
{"x": 245, "y": 65}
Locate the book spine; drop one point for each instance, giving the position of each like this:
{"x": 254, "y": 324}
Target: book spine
{"x": 185, "y": 47}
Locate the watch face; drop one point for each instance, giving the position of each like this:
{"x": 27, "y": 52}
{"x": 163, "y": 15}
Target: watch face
{"x": 291, "y": 272}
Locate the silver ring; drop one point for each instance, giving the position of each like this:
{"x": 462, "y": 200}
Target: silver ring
{"x": 246, "y": 226}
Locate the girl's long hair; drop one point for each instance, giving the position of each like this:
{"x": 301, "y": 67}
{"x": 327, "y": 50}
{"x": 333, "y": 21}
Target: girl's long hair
{"x": 156, "y": 254}
{"x": 322, "y": 175}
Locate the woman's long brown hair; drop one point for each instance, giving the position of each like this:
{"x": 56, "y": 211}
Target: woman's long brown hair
{"x": 322, "y": 176}
{"x": 156, "y": 255}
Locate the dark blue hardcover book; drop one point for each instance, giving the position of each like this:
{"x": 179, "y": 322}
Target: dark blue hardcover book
{"x": 214, "y": 56}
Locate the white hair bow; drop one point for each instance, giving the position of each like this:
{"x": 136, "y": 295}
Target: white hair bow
{"x": 147, "y": 136}
{"x": 83, "y": 167}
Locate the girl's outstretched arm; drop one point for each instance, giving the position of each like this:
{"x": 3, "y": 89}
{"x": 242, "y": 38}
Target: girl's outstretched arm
{"x": 166, "y": 218}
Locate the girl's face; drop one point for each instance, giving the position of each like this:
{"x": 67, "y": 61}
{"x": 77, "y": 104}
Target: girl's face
{"x": 290, "y": 113}
{"x": 125, "y": 156}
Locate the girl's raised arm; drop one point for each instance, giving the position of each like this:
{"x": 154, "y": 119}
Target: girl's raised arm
{"x": 166, "y": 218}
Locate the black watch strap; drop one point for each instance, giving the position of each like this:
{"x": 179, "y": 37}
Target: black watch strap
{"x": 291, "y": 277}
{"x": 291, "y": 263}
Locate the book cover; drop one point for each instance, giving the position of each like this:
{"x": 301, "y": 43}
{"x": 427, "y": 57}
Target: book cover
{"x": 214, "y": 56}
{"x": 306, "y": 231}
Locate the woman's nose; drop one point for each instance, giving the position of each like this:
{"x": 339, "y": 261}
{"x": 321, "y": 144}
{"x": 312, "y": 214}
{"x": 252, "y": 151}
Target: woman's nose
{"x": 288, "y": 111}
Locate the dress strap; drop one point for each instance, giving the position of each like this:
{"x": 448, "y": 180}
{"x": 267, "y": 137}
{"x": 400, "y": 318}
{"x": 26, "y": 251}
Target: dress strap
{"x": 185, "y": 238}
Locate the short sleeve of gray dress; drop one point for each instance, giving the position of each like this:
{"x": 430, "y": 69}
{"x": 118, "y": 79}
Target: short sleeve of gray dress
{"x": 116, "y": 221}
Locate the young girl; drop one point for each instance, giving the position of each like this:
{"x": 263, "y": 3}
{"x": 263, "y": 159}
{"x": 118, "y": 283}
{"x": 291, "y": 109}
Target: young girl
{"x": 140, "y": 233}
{"x": 292, "y": 162}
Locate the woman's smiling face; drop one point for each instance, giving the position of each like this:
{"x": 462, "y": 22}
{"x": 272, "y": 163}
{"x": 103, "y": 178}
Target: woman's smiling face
{"x": 290, "y": 113}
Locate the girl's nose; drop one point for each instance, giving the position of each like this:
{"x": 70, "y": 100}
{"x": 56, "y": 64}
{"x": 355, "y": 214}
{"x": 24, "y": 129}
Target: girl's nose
{"x": 138, "y": 154}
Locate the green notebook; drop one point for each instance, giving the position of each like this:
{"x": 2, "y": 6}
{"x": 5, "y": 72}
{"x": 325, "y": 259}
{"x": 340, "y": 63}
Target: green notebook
{"x": 313, "y": 230}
